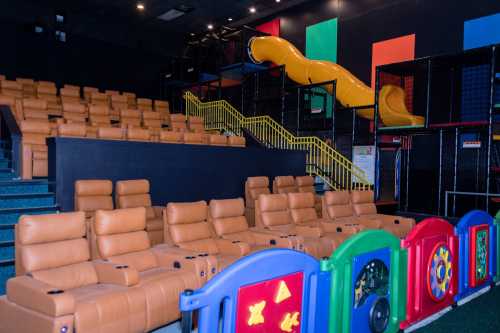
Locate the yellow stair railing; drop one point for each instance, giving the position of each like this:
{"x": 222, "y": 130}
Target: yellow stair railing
{"x": 321, "y": 159}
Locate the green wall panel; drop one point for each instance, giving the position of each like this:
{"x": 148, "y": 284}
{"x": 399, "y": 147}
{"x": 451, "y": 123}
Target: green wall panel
{"x": 321, "y": 44}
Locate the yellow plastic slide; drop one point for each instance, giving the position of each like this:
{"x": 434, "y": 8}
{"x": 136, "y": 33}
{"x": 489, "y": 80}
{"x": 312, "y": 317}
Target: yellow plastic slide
{"x": 350, "y": 91}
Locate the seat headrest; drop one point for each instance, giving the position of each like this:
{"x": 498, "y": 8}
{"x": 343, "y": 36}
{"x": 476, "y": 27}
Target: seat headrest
{"x": 273, "y": 202}
{"x": 118, "y": 99}
{"x": 301, "y": 200}
{"x": 193, "y": 137}
{"x": 138, "y": 134}
{"x": 74, "y": 107}
{"x": 128, "y": 113}
{"x": 151, "y": 115}
{"x": 256, "y": 182}
{"x": 236, "y": 140}
{"x": 46, "y": 84}
{"x": 284, "y": 181}
{"x": 217, "y": 139}
{"x": 360, "y": 197}
{"x": 128, "y": 94}
{"x": 227, "y": 208}
{"x": 71, "y": 92}
{"x": 46, "y": 89}
{"x": 304, "y": 181}
{"x": 161, "y": 103}
{"x": 120, "y": 221}
{"x": 74, "y": 129}
{"x": 25, "y": 80}
{"x": 195, "y": 120}
{"x": 177, "y": 118}
{"x": 95, "y": 95}
{"x": 34, "y": 103}
{"x": 33, "y": 126}
{"x": 337, "y": 198}
{"x": 110, "y": 133}
{"x": 187, "y": 212}
{"x": 93, "y": 187}
{"x": 8, "y": 84}
{"x": 37, "y": 229}
{"x": 99, "y": 109}
{"x": 130, "y": 187}
{"x": 90, "y": 89}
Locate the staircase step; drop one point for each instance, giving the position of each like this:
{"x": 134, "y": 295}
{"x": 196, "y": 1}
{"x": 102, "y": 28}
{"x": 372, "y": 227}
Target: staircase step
{"x": 20, "y": 200}
{"x": 24, "y": 186}
{"x": 9, "y": 216}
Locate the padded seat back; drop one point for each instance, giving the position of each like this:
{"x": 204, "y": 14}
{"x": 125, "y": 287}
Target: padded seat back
{"x": 110, "y": 133}
{"x": 97, "y": 98}
{"x": 110, "y": 93}
{"x": 47, "y": 92}
{"x": 178, "y": 122}
{"x": 196, "y": 124}
{"x": 72, "y": 130}
{"x": 227, "y": 217}
{"x": 74, "y": 112}
{"x": 132, "y": 103}
{"x": 145, "y": 104}
{"x": 194, "y": 138}
{"x": 87, "y": 92}
{"x": 217, "y": 140}
{"x": 70, "y": 95}
{"x": 161, "y": 106}
{"x": 52, "y": 249}
{"x": 92, "y": 195}
{"x": 151, "y": 119}
{"x": 11, "y": 88}
{"x": 134, "y": 193}
{"x": 130, "y": 117}
{"x": 236, "y": 141}
{"x": 255, "y": 186}
{"x": 284, "y": 184}
{"x": 272, "y": 210}
{"x": 302, "y": 208}
{"x": 28, "y": 86}
{"x": 337, "y": 205}
{"x": 119, "y": 102}
{"x": 122, "y": 238}
{"x": 188, "y": 226}
{"x": 35, "y": 132}
{"x": 35, "y": 109}
{"x": 171, "y": 137}
{"x": 305, "y": 184}
{"x": 138, "y": 134}
{"x": 99, "y": 115}
{"x": 363, "y": 203}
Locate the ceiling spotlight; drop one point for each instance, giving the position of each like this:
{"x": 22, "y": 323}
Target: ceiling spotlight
{"x": 253, "y": 10}
{"x": 278, "y": 1}
{"x": 140, "y": 6}
{"x": 192, "y": 33}
{"x": 230, "y": 19}
{"x": 210, "y": 26}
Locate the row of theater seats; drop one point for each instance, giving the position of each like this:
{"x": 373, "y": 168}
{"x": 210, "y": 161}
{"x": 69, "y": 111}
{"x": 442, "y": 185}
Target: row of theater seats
{"x": 34, "y": 156}
{"x": 356, "y": 207}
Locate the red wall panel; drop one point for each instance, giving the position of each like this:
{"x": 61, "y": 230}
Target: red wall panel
{"x": 271, "y": 27}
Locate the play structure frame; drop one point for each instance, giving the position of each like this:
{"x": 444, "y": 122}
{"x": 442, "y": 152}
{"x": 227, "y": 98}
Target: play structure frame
{"x": 442, "y": 125}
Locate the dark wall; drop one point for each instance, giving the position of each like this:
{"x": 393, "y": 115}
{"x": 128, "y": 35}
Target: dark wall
{"x": 176, "y": 172}
{"x": 80, "y": 60}
{"x": 438, "y": 25}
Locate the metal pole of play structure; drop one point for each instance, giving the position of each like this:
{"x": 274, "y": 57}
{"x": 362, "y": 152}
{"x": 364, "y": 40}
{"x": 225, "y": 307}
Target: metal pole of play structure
{"x": 375, "y": 128}
{"x": 455, "y": 193}
{"x": 334, "y": 98}
{"x": 490, "y": 121}
{"x": 428, "y": 102}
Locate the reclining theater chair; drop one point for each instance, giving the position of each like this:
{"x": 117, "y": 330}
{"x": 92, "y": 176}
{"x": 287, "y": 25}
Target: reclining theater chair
{"x": 145, "y": 104}
{"x": 135, "y": 193}
{"x": 364, "y": 207}
{"x": 254, "y": 186}
{"x": 284, "y": 184}
{"x": 123, "y": 242}
{"x": 229, "y": 222}
{"x": 186, "y": 225}
{"x": 65, "y": 292}
{"x": 34, "y": 156}
{"x": 272, "y": 213}
{"x": 92, "y": 195}
{"x": 306, "y": 184}
{"x": 337, "y": 206}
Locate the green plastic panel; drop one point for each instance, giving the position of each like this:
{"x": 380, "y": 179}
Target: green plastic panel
{"x": 321, "y": 44}
{"x": 340, "y": 264}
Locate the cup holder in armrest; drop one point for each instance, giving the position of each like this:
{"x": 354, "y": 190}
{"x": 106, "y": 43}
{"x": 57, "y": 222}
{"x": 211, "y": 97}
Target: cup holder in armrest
{"x": 55, "y": 292}
{"x": 292, "y": 235}
{"x": 190, "y": 257}
{"x": 283, "y": 236}
{"x": 121, "y": 267}
{"x": 396, "y": 222}
{"x": 177, "y": 264}
{"x": 339, "y": 229}
{"x": 203, "y": 255}
{"x": 272, "y": 242}
{"x": 236, "y": 242}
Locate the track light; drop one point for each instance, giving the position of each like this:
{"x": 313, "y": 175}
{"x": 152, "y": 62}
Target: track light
{"x": 140, "y": 6}
{"x": 252, "y": 10}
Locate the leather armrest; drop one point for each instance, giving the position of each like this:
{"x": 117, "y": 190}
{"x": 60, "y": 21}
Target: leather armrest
{"x": 121, "y": 275}
{"x": 332, "y": 226}
{"x": 308, "y": 231}
{"x": 158, "y": 211}
{"x": 272, "y": 240}
{"x": 174, "y": 257}
{"x": 40, "y": 297}
{"x": 232, "y": 247}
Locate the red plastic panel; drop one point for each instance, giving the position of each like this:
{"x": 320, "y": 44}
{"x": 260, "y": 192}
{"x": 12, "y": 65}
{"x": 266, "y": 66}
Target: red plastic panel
{"x": 271, "y": 27}
{"x": 432, "y": 269}
{"x": 271, "y": 306}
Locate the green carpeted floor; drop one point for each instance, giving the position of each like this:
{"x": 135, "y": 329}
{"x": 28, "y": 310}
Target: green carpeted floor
{"x": 481, "y": 315}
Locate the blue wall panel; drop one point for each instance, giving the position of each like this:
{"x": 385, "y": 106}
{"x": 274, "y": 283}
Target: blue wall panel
{"x": 482, "y": 32}
{"x": 176, "y": 172}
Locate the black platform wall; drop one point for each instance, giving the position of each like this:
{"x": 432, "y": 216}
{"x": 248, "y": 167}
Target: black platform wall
{"x": 177, "y": 173}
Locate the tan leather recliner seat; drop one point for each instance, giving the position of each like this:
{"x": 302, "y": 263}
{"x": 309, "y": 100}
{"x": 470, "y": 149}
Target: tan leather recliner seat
{"x": 72, "y": 130}
{"x": 130, "y": 118}
{"x": 48, "y": 91}
{"x": 87, "y": 92}
{"x": 254, "y": 186}
{"x": 178, "y": 122}
{"x": 303, "y": 213}
{"x": 306, "y": 184}
{"x": 163, "y": 107}
{"x": 135, "y": 193}
{"x": 118, "y": 103}
{"x": 11, "y": 88}
{"x": 152, "y": 121}
{"x": 28, "y": 87}
{"x": 364, "y": 206}
{"x": 171, "y": 137}
{"x": 337, "y": 206}
{"x": 131, "y": 101}
{"x": 35, "y": 109}
{"x": 187, "y": 226}
{"x": 284, "y": 184}
{"x": 229, "y": 222}
{"x": 34, "y": 157}
{"x": 122, "y": 240}
{"x": 109, "y": 133}
{"x": 99, "y": 115}
{"x": 74, "y": 112}
{"x": 90, "y": 196}
{"x": 138, "y": 134}
{"x": 236, "y": 141}
{"x": 70, "y": 95}
{"x": 196, "y": 124}
{"x": 97, "y": 98}
{"x": 145, "y": 104}
{"x": 63, "y": 291}
{"x": 272, "y": 213}
{"x": 217, "y": 140}
{"x": 194, "y": 138}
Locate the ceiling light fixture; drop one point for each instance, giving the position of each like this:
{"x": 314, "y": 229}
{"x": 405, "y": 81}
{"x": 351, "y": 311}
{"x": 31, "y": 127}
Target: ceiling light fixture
{"x": 278, "y": 1}
{"x": 230, "y": 19}
{"x": 253, "y": 10}
{"x": 210, "y": 26}
{"x": 140, "y": 6}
